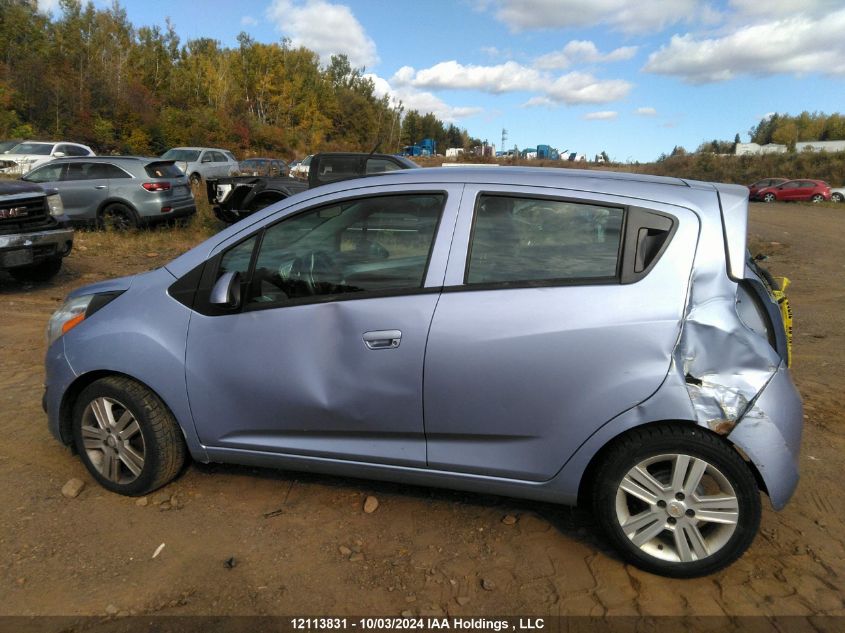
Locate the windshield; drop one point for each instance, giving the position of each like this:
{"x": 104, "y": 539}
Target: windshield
{"x": 188, "y": 155}
{"x": 42, "y": 149}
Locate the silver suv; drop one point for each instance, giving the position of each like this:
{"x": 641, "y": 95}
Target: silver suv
{"x": 199, "y": 163}
{"x": 552, "y": 334}
{"x": 123, "y": 192}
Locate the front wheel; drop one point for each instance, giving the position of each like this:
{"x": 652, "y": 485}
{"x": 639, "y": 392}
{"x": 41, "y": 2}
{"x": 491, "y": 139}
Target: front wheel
{"x": 769, "y": 197}
{"x": 677, "y": 501}
{"x": 126, "y": 437}
{"x": 817, "y": 197}
{"x": 837, "y": 197}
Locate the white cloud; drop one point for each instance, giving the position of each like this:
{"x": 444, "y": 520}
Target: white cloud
{"x": 621, "y": 15}
{"x": 796, "y": 45}
{"x": 574, "y": 87}
{"x": 783, "y": 8}
{"x": 48, "y": 6}
{"x": 507, "y": 77}
{"x": 646, "y": 111}
{"x": 248, "y": 20}
{"x": 604, "y": 115}
{"x": 539, "y": 102}
{"x": 326, "y": 28}
{"x": 582, "y": 51}
{"x": 423, "y": 102}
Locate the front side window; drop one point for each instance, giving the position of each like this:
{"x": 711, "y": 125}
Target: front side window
{"x": 52, "y": 172}
{"x": 377, "y": 244}
{"x": 540, "y": 240}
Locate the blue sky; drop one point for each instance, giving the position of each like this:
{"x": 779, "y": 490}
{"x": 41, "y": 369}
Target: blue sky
{"x": 632, "y": 78}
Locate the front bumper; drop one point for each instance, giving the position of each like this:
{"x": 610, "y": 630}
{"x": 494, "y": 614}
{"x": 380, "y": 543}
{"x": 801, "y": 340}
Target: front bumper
{"x": 43, "y": 244}
{"x": 770, "y": 435}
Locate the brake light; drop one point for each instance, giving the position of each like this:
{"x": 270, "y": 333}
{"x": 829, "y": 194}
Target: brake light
{"x": 156, "y": 186}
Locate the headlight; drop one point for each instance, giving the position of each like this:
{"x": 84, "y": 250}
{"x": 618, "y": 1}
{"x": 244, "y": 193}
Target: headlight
{"x": 75, "y": 311}
{"x": 54, "y": 202}
{"x": 71, "y": 314}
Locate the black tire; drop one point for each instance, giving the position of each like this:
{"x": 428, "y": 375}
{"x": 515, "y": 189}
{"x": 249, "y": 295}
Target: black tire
{"x": 158, "y": 436}
{"x": 661, "y": 553}
{"x": 769, "y": 197}
{"x": 118, "y": 217}
{"x": 837, "y": 197}
{"x": 42, "y": 271}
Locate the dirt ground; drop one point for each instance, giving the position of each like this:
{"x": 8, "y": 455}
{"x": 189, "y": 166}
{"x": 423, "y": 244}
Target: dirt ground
{"x": 301, "y": 544}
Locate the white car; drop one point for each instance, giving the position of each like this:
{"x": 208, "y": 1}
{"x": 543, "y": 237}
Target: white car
{"x": 26, "y": 156}
{"x": 837, "y": 194}
{"x": 199, "y": 163}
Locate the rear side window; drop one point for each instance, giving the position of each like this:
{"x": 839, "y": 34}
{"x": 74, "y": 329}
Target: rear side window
{"x": 163, "y": 170}
{"x": 107, "y": 170}
{"x": 540, "y": 240}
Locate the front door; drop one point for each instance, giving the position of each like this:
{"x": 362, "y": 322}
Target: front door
{"x": 325, "y": 356}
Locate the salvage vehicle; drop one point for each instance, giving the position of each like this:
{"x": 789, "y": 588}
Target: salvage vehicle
{"x": 237, "y": 197}
{"x": 558, "y": 335}
{"x": 34, "y": 232}
{"x": 837, "y": 194}
{"x": 118, "y": 192}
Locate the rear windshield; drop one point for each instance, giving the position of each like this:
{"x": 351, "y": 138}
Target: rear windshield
{"x": 42, "y": 149}
{"x": 188, "y": 155}
{"x": 163, "y": 169}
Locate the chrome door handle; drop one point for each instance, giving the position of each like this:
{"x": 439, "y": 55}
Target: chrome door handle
{"x": 382, "y": 339}
{"x": 100, "y": 186}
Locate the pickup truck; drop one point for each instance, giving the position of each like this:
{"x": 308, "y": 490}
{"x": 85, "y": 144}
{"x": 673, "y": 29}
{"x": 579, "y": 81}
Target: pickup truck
{"x": 34, "y": 233}
{"x": 236, "y": 197}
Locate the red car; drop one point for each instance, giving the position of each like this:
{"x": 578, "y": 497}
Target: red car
{"x": 795, "y": 190}
{"x": 765, "y": 183}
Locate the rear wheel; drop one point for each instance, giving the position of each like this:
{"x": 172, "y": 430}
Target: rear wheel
{"x": 126, "y": 437}
{"x": 118, "y": 217}
{"x": 769, "y": 197}
{"x": 837, "y": 197}
{"x": 677, "y": 501}
{"x": 42, "y": 271}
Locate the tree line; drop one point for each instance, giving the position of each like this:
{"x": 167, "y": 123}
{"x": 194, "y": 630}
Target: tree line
{"x": 90, "y": 76}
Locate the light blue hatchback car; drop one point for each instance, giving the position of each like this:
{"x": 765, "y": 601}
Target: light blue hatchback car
{"x": 552, "y": 334}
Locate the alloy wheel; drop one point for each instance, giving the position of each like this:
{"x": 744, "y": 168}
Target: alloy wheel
{"x": 677, "y": 508}
{"x": 113, "y": 440}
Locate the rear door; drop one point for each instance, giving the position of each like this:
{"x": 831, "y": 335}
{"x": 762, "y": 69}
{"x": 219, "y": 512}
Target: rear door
{"x": 550, "y": 324}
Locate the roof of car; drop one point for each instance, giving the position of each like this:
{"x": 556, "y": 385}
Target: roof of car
{"x": 151, "y": 159}
{"x": 216, "y": 149}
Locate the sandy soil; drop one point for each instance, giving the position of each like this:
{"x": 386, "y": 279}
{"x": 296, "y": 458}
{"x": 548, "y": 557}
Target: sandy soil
{"x": 302, "y": 544}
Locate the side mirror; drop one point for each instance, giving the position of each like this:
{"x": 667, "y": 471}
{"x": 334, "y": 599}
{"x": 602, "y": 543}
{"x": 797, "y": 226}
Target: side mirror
{"x": 227, "y": 291}
{"x": 58, "y": 154}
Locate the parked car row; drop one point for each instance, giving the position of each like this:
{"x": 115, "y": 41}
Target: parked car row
{"x": 784, "y": 190}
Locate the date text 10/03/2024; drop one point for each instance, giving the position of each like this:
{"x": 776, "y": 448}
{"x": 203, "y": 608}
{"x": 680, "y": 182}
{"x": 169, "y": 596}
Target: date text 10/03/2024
{"x": 419, "y": 624}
